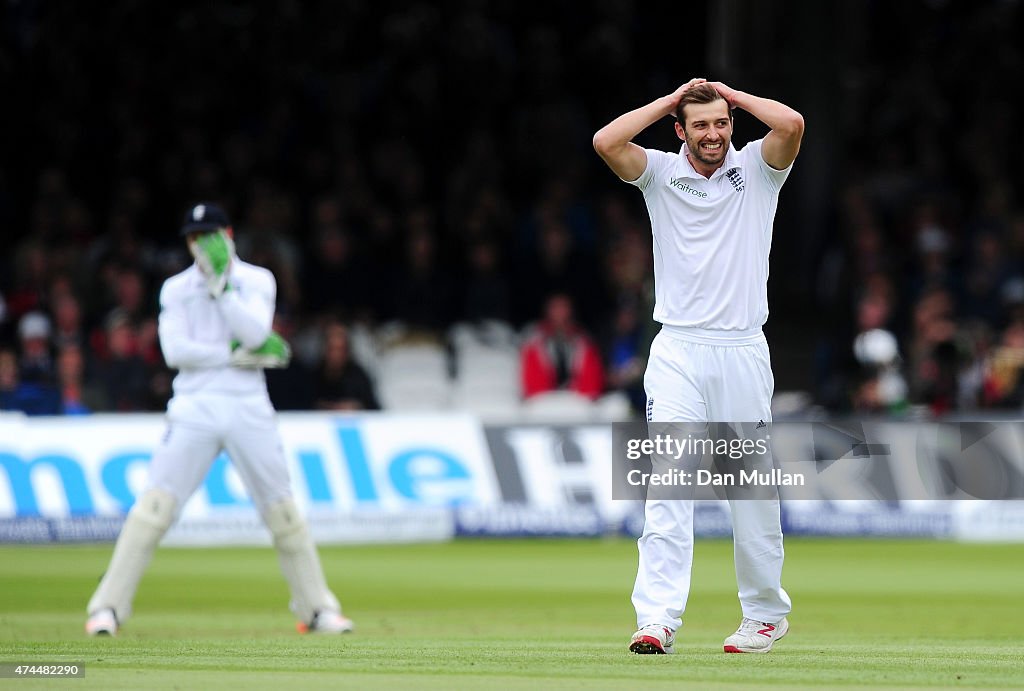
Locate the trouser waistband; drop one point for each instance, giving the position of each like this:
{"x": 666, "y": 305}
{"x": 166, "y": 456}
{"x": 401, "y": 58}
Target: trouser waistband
{"x": 719, "y": 337}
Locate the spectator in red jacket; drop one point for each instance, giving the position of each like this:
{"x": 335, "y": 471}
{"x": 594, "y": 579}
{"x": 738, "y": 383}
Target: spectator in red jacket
{"x": 559, "y": 355}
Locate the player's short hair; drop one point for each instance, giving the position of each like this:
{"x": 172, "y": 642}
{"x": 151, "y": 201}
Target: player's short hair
{"x": 698, "y": 94}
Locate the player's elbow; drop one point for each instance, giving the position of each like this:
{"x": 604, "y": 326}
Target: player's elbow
{"x": 611, "y": 150}
{"x": 172, "y": 355}
{"x": 603, "y": 143}
{"x": 793, "y": 126}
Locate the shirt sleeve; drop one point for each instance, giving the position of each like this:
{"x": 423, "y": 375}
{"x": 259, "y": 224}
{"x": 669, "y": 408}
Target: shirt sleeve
{"x": 249, "y": 310}
{"x": 774, "y": 178}
{"x": 180, "y": 350}
{"x": 657, "y": 163}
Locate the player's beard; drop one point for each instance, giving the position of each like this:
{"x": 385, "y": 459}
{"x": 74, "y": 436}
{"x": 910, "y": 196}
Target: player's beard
{"x": 694, "y": 146}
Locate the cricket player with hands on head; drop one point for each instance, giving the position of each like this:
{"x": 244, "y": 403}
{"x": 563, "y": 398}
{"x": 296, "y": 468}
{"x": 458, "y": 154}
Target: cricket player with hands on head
{"x": 215, "y": 329}
{"x": 712, "y": 208}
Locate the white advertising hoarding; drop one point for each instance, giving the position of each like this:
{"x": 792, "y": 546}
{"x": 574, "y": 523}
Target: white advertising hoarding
{"x": 382, "y": 477}
{"x": 360, "y": 478}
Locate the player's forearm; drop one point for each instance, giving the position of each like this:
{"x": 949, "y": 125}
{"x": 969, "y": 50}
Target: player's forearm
{"x": 778, "y": 116}
{"x": 180, "y": 350}
{"x": 249, "y": 321}
{"x": 623, "y": 129}
{"x": 182, "y": 353}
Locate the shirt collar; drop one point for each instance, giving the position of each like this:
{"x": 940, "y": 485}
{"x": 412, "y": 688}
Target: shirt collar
{"x": 686, "y": 170}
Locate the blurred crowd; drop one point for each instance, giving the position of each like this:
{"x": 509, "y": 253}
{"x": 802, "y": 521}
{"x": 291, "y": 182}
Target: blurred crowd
{"x": 430, "y": 165}
{"x": 427, "y": 166}
{"x": 921, "y": 287}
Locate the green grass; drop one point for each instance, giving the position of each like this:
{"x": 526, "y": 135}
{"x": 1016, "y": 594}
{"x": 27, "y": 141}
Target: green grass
{"x": 537, "y": 614}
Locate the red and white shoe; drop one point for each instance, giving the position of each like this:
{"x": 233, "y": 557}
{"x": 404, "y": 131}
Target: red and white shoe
{"x": 102, "y": 622}
{"x": 653, "y": 639}
{"x": 326, "y": 621}
{"x": 756, "y": 636}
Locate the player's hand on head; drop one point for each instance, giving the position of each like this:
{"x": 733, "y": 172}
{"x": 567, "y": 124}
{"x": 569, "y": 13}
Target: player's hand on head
{"x": 726, "y": 92}
{"x": 678, "y": 93}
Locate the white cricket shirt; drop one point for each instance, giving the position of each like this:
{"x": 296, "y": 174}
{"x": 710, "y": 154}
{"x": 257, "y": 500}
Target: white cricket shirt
{"x": 196, "y": 331}
{"x": 712, "y": 237}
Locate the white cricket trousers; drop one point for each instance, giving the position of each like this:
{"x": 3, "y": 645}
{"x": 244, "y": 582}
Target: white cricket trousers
{"x": 200, "y": 426}
{"x": 698, "y": 375}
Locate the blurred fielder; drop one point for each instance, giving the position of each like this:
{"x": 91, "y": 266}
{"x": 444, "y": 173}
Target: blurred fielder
{"x": 215, "y": 328}
{"x": 712, "y": 209}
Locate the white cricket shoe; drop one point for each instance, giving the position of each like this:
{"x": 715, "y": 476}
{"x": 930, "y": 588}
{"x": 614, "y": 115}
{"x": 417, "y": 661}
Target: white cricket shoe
{"x": 755, "y": 636}
{"x": 326, "y": 621}
{"x": 102, "y": 622}
{"x": 653, "y": 639}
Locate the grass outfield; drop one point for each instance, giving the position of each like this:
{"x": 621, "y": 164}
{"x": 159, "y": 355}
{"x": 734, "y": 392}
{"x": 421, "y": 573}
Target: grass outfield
{"x": 540, "y": 614}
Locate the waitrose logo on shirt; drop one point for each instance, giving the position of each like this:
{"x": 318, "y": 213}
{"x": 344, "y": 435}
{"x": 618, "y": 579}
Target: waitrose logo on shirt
{"x": 679, "y": 183}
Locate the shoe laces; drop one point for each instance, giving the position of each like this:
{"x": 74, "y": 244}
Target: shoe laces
{"x": 661, "y": 631}
{"x": 751, "y": 626}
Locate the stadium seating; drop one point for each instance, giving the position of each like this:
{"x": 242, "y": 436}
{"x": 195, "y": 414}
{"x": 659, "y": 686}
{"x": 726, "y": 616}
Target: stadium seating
{"x": 486, "y": 370}
{"x": 478, "y": 373}
{"x": 414, "y": 378}
{"x": 559, "y": 407}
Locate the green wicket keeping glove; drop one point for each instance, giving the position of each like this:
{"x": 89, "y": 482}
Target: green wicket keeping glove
{"x": 275, "y": 353}
{"x": 213, "y": 253}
